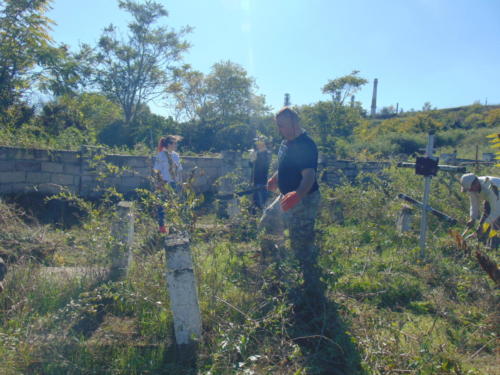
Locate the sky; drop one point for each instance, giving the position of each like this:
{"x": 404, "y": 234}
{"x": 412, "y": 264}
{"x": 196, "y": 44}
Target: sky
{"x": 446, "y": 52}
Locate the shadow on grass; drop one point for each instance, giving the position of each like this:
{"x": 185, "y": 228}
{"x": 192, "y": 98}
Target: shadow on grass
{"x": 318, "y": 329}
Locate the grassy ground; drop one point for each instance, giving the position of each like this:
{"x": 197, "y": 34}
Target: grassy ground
{"x": 385, "y": 310}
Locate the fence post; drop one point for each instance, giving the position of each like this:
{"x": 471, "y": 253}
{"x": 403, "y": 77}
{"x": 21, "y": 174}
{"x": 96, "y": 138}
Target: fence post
{"x": 123, "y": 232}
{"x": 182, "y": 289}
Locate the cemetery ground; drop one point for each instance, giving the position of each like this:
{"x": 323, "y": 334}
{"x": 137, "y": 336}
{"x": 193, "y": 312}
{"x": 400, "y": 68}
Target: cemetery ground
{"x": 386, "y": 310}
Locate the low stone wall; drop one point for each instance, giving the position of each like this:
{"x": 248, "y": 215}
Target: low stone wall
{"x": 46, "y": 171}
{"x": 338, "y": 171}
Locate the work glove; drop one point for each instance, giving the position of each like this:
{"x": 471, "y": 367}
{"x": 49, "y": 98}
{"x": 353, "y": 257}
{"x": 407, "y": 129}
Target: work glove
{"x": 290, "y": 200}
{"x": 272, "y": 183}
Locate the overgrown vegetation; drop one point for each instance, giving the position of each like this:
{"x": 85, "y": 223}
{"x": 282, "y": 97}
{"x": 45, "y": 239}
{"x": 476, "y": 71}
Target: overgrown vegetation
{"x": 386, "y": 311}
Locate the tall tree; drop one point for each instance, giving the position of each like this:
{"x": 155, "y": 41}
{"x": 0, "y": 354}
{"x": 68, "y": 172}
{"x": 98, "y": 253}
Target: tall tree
{"x": 24, "y": 44}
{"x": 190, "y": 93}
{"x": 345, "y": 86}
{"x": 231, "y": 94}
{"x": 135, "y": 70}
{"x": 332, "y": 122}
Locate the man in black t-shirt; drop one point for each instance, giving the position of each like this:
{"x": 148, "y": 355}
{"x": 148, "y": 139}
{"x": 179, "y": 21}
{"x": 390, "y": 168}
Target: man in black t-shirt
{"x": 296, "y": 180}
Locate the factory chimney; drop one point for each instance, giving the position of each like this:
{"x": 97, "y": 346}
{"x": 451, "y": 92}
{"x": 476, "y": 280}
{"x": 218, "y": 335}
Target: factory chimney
{"x": 374, "y": 97}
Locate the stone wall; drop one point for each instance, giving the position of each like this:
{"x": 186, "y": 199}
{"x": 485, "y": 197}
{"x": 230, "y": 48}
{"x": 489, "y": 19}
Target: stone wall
{"x": 46, "y": 171}
{"x": 337, "y": 171}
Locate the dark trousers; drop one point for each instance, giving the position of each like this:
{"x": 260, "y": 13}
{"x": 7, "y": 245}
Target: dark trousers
{"x": 260, "y": 196}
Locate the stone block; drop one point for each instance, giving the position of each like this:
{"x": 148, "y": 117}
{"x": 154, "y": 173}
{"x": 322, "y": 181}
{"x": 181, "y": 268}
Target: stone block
{"x": 12, "y": 177}
{"x": 72, "y": 168}
{"x": 41, "y": 155}
{"x": 62, "y": 179}
{"x": 4, "y": 153}
{"x": 49, "y": 188}
{"x": 52, "y": 167}
{"x": 66, "y": 157}
{"x": 131, "y": 183}
{"x": 117, "y": 160}
{"x": 37, "y": 177}
{"x": 351, "y": 172}
{"x": 28, "y": 166}
{"x": 7, "y": 166}
{"x": 24, "y": 154}
{"x": 143, "y": 172}
{"x": 5, "y": 188}
{"x": 137, "y": 162}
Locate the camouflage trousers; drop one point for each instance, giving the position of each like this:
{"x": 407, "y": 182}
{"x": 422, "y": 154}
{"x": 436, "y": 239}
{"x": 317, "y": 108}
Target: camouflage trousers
{"x": 300, "y": 223}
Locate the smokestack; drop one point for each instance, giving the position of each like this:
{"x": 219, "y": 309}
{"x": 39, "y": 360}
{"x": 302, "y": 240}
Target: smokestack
{"x": 374, "y": 97}
{"x": 287, "y": 100}
{"x": 352, "y": 100}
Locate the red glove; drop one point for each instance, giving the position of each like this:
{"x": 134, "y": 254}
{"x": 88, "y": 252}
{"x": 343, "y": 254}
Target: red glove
{"x": 290, "y": 200}
{"x": 272, "y": 183}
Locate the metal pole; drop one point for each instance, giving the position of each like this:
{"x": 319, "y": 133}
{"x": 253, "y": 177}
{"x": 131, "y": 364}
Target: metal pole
{"x": 425, "y": 201}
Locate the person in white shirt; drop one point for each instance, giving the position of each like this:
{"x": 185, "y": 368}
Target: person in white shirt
{"x": 486, "y": 189}
{"x": 168, "y": 170}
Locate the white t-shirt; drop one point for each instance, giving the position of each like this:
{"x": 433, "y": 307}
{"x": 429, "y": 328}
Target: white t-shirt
{"x": 490, "y": 186}
{"x": 161, "y": 164}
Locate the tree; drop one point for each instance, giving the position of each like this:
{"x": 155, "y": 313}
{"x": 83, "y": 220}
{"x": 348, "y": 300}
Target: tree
{"x": 24, "y": 42}
{"x": 331, "y": 120}
{"x": 427, "y": 107}
{"x": 225, "y": 98}
{"x": 139, "y": 69}
{"x": 231, "y": 94}
{"x": 90, "y": 113}
{"x": 343, "y": 87}
{"x": 190, "y": 93}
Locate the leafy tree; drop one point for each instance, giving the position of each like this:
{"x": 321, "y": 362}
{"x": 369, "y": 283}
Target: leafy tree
{"x": 427, "y": 107}
{"x": 88, "y": 112}
{"x": 231, "y": 94}
{"x": 146, "y": 128}
{"x": 24, "y": 42}
{"x": 225, "y": 98}
{"x": 343, "y": 87}
{"x": 140, "y": 68}
{"x": 331, "y": 120}
{"x": 190, "y": 92}
{"x": 65, "y": 73}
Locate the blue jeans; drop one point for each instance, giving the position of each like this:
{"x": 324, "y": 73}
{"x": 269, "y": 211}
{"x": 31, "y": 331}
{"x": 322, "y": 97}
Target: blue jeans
{"x": 260, "y": 196}
{"x": 161, "y": 211}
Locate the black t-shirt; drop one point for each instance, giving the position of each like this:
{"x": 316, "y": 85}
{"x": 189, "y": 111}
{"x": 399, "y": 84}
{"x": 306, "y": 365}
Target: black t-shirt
{"x": 293, "y": 157}
{"x": 261, "y": 167}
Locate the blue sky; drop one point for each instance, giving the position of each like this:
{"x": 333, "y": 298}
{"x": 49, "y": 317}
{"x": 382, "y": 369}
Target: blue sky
{"x": 446, "y": 52}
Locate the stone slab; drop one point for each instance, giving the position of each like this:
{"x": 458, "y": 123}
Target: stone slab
{"x": 12, "y": 177}
{"x": 52, "y": 167}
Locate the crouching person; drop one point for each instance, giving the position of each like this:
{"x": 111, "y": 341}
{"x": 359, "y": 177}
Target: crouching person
{"x": 483, "y": 189}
